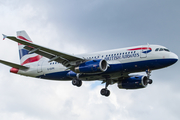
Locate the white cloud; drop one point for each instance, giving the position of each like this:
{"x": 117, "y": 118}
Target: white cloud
{"x": 31, "y": 98}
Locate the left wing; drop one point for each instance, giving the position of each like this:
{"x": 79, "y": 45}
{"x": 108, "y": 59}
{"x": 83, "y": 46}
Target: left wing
{"x": 66, "y": 59}
{"x": 14, "y": 65}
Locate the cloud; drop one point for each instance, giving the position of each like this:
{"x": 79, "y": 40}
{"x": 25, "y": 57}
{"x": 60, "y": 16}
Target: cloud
{"x": 82, "y": 26}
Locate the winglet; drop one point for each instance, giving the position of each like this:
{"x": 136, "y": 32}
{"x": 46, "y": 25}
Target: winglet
{"x": 4, "y": 36}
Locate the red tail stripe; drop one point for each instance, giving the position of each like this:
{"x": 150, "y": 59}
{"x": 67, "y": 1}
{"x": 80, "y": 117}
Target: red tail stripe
{"x": 143, "y": 48}
{"x": 32, "y": 59}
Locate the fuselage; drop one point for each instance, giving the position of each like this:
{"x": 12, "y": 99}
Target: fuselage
{"x": 120, "y": 62}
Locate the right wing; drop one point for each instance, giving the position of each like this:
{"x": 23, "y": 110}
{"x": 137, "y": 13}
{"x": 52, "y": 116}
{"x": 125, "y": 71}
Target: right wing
{"x": 66, "y": 59}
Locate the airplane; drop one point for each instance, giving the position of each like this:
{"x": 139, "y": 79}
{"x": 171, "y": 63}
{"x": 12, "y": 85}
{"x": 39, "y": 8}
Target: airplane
{"x": 110, "y": 67}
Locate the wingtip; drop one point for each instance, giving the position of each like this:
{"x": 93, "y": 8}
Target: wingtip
{"x": 4, "y": 36}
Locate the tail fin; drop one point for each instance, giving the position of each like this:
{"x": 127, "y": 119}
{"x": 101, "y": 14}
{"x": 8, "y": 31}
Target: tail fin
{"x": 24, "y": 55}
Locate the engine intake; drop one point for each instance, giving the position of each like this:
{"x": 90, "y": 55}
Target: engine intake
{"x": 135, "y": 82}
{"x": 93, "y": 66}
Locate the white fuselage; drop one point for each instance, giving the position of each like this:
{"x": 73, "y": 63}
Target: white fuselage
{"x": 124, "y": 60}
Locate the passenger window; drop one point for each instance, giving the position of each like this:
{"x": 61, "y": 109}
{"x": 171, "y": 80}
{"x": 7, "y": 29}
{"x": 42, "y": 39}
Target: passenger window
{"x": 157, "y": 49}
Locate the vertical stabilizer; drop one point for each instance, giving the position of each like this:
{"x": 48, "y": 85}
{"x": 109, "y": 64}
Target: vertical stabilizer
{"x": 24, "y": 55}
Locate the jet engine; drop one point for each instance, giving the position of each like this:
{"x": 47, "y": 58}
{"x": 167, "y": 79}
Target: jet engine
{"x": 93, "y": 66}
{"x": 134, "y": 82}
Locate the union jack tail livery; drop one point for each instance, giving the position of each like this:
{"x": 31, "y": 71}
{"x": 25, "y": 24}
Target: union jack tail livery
{"x": 25, "y": 56}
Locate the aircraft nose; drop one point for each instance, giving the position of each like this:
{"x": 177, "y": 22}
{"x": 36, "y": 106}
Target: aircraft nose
{"x": 173, "y": 57}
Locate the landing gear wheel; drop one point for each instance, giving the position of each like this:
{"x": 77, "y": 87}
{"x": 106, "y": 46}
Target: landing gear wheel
{"x": 150, "y": 81}
{"x": 105, "y": 92}
{"x": 77, "y": 82}
{"x": 74, "y": 82}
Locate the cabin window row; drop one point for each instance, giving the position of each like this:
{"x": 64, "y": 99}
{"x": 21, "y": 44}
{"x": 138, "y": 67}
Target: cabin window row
{"x": 52, "y": 63}
{"x": 111, "y": 55}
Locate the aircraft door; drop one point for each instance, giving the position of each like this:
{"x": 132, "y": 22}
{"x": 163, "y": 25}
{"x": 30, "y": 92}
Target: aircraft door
{"x": 39, "y": 67}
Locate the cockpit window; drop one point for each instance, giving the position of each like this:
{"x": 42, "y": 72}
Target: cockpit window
{"x": 157, "y": 49}
{"x": 162, "y": 49}
{"x": 166, "y": 50}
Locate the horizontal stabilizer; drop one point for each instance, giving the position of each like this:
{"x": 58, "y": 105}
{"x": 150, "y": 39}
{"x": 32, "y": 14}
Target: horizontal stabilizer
{"x": 14, "y": 65}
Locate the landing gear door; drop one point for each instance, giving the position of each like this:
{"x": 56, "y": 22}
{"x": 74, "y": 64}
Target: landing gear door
{"x": 39, "y": 67}
{"x": 143, "y": 52}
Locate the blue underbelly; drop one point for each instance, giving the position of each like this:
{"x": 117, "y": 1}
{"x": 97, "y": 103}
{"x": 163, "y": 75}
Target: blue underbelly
{"x": 125, "y": 67}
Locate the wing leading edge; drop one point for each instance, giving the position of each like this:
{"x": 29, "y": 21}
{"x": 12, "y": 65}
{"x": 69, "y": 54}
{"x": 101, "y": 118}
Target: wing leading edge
{"x": 66, "y": 59}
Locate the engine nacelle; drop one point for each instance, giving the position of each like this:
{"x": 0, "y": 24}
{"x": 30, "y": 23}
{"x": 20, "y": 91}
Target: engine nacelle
{"x": 71, "y": 74}
{"x": 93, "y": 66}
{"x": 135, "y": 82}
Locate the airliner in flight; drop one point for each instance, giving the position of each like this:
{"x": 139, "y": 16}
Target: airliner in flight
{"x": 110, "y": 67}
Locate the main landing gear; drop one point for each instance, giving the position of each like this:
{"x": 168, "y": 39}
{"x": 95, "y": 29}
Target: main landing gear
{"x": 105, "y": 91}
{"x": 148, "y": 72}
{"x": 77, "y": 82}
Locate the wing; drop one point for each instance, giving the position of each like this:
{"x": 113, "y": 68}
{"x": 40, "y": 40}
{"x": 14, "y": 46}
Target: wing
{"x": 14, "y": 65}
{"x": 66, "y": 59}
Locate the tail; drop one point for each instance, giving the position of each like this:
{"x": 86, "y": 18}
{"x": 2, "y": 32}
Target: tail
{"x": 24, "y": 55}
